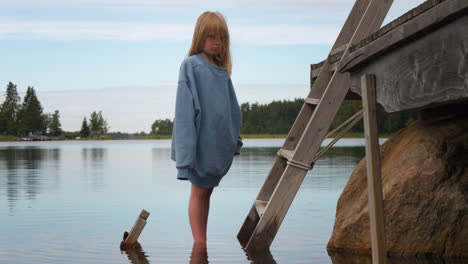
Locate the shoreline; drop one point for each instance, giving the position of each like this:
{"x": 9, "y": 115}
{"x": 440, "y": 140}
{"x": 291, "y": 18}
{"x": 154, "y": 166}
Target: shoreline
{"x": 244, "y": 136}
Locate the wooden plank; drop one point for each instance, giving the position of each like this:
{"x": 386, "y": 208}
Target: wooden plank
{"x": 260, "y": 206}
{"x": 298, "y": 126}
{"x": 426, "y": 22}
{"x": 408, "y": 16}
{"x": 427, "y": 72}
{"x": 351, "y": 23}
{"x": 312, "y": 101}
{"x": 334, "y": 57}
{"x": 322, "y": 118}
{"x": 276, "y": 210}
{"x": 320, "y": 84}
{"x": 374, "y": 180}
{"x": 292, "y": 177}
{"x": 265, "y": 193}
{"x": 248, "y": 226}
{"x": 373, "y": 20}
{"x": 137, "y": 228}
{"x": 335, "y": 52}
{"x": 323, "y": 79}
{"x": 285, "y": 153}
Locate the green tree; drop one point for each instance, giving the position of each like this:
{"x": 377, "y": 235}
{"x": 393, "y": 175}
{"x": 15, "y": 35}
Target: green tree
{"x": 98, "y": 125}
{"x": 47, "y": 118}
{"x": 161, "y": 127}
{"x": 55, "y": 126}
{"x": 94, "y": 125}
{"x": 30, "y": 115}
{"x": 9, "y": 111}
{"x": 103, "y": 127}
{"x": 85, "y": 130}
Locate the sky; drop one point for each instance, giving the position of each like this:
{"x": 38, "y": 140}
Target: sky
{"x": 122, "y": 57}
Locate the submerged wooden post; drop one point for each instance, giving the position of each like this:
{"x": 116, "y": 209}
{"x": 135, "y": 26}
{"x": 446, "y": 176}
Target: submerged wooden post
{"x": 135, "y": 232}
{"x": 374, "y": 180}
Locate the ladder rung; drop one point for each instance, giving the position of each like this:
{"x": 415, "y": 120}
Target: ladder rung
{"x": 260, "y": 206}
{"x": 334, "y": 67}
{"x": 312, "y": 101}
{"x": 285, "y": 153}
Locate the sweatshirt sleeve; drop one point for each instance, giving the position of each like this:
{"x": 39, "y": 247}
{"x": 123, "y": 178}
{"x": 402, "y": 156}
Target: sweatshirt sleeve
{"x": 239, "y": 145}
{"x": 184, "y": 132}
{"x": 237, "y": 114}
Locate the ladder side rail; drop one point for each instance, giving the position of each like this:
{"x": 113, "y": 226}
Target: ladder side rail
{"x": 326, "y": 110}
{"x": 289, "y": 183}
{"x": 323, "y": 79}
{"x": 263, "y": 229}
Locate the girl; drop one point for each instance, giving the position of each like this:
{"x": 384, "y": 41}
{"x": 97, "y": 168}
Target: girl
{"x": 206, "y": 132}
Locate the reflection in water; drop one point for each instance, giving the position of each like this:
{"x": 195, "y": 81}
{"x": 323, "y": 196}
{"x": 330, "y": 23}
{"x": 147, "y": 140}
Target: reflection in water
{"x": 330, "y": 172}
{"x": 93, "y": 166}
{"x": 260, "y": 257}
{"x": 136, "y": 255}
{"x": 199, "y": 253}
{"x": 53, "y": 174}
{"x": 348, "y": 258}
{"x": 25, "y": 169}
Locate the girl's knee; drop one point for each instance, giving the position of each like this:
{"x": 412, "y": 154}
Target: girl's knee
{"x": 201, "y": 192}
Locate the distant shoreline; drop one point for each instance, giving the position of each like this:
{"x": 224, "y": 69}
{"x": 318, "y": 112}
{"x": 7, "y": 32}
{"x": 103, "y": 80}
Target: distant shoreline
{"x": 244, "y": 136}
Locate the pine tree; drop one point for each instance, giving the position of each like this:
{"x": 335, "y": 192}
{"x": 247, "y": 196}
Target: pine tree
{"x": 85, "y": 131}
{"x": 9, "y": 111}
{"x": 30, "y": 116}
{"x": 94, "y": 124}
{"x": 102, "y": 124}
{"x": 55, "y": 125}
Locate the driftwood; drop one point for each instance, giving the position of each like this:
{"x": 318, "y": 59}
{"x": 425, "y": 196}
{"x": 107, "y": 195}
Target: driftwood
{"x": 130, "y": 239}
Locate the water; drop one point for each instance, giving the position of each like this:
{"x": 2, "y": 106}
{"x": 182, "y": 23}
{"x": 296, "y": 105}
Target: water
{"x": 71, "y": 201}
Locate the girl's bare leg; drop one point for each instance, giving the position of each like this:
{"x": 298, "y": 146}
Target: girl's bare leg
{"x": 199, "y": 206}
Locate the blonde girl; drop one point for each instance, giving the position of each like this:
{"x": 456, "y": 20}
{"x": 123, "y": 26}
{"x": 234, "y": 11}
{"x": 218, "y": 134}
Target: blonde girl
{"x": 206, "y": 132}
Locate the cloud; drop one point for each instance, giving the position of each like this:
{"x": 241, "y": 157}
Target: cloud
{"x": 256, "y": 30}
{"x": 262, "y": 4}
{"x": 135, "y": 31}
{"x": 313, "y": 4}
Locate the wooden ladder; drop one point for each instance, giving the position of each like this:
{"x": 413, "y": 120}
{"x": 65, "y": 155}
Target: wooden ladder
{"x": 301, "y": 147}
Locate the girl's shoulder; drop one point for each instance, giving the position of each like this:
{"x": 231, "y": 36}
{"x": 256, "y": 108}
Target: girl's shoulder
{"x": 188, "y": 67}
{"x": 192, "y": 61}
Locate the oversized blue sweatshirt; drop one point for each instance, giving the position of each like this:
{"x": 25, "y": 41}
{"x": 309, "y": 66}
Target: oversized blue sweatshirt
{"x": 206, "y": 131}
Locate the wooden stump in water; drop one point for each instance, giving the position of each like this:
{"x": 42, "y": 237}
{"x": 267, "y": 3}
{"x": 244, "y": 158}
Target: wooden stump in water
{"x": 130, "y": 239}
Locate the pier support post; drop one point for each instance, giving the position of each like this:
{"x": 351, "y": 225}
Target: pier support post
{"x": 374, "y": 179}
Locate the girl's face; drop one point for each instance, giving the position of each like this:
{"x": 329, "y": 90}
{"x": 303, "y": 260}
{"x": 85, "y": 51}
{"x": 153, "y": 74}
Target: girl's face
{"x": 213, "y": 44}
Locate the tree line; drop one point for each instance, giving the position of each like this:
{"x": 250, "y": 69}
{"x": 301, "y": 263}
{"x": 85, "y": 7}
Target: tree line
{"x": 27, "y": 118}
{"x": 278, "y": 117}
{"x": 97, "y": 125}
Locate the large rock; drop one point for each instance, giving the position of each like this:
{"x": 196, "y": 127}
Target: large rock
{"x": 425, "y": 190}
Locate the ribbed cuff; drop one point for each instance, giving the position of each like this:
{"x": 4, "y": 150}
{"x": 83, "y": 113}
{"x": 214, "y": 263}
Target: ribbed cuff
{"x": 183, "y": 174}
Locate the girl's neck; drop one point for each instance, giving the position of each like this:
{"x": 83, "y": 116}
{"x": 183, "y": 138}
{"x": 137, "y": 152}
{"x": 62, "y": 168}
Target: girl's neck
{"x": 213, "y": 59}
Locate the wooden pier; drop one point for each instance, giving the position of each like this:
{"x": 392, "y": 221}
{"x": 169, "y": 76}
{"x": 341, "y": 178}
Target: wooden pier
{"x": 416, "y": 62}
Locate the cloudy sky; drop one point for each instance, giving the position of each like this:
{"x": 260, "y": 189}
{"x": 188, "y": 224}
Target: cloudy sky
{"x": 123, "y": 56}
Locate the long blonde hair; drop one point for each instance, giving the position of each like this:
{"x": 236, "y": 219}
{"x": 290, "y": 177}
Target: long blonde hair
{"x": 212, "y": 22}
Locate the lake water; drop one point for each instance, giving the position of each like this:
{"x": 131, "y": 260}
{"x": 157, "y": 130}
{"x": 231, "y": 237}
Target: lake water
{"x": 71, "y": 201}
